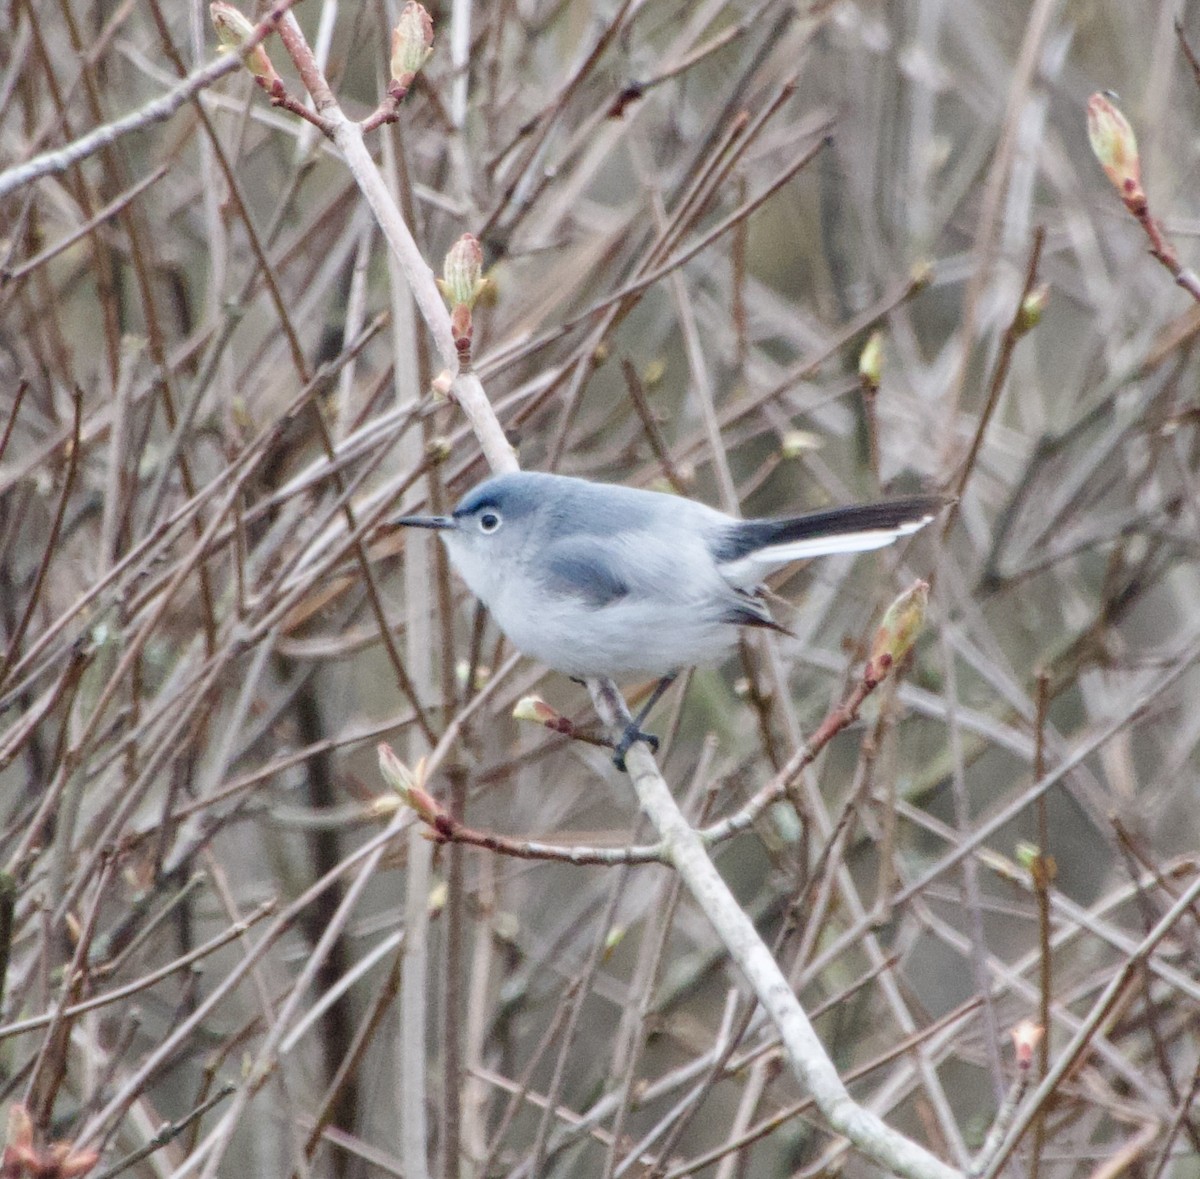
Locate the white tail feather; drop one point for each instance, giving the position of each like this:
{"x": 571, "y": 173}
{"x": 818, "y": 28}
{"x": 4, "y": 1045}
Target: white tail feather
{"x": 748, "y": 570}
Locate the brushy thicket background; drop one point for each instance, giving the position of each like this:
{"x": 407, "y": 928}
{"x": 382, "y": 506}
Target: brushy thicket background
{"x": 195, "y": 667}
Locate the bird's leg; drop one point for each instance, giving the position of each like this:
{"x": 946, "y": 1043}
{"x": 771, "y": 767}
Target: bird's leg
{"x": 633, "y": 724}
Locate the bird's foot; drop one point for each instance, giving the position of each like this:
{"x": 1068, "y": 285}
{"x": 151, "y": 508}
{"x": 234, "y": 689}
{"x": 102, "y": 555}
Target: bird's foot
{"x": 631, "y": 735}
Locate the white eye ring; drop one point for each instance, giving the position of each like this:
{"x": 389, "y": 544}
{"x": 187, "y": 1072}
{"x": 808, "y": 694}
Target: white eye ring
{"x": 489, "y": 521}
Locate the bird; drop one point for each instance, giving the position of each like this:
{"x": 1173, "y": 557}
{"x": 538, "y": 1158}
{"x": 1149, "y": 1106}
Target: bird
{"x": 601, "y": 580}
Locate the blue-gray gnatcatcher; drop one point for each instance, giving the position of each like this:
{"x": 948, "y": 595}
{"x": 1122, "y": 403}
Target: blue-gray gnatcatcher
{"x": 593, "y": 579}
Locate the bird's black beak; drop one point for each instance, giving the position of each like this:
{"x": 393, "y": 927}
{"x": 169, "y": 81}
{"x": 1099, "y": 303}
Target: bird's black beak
{"x": 440, "y": 523}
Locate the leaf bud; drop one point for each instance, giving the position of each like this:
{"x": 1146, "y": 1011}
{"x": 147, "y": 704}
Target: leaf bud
{"x": 1115, "y": 146}
{"x": 897, "y": 633}
{"x": 234, "y": 29}
{"x": 870, "y": 362}
{"x": 1026, "y": 1036}
{"x": 412, "y": 43}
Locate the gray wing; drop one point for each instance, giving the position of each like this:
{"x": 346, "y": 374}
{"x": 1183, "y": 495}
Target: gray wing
{"x": 602, "y": 572}
{"x": 586, "y": 569}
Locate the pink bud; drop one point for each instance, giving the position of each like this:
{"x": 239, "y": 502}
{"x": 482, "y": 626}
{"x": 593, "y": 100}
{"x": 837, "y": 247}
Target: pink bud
{"x": 898, "y": 631}
{"x": 234, "y": 29}
{"x": 395, "y": 773}
{"x": 1026, "y": 1036}
{"x": 1115, "y": 146}
{"x": 462, "y": 281}
{"x": 412, "y": 43}
{"x": 408, "y": 783}
{"x": 534, "y": 708}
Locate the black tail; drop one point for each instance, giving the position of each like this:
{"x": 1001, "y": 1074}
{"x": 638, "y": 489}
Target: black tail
{"x": 751, "y": 536}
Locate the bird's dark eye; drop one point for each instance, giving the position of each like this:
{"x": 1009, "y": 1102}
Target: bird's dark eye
{"x": 489, "y": 521}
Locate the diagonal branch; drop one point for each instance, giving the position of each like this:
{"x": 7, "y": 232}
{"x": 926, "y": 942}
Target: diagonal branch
{"x": 806, "y": 1055}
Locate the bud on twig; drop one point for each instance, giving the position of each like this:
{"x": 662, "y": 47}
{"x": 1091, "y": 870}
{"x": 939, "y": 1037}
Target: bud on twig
{"x": 1026, "y": 1036}
{"x": 409, "y": 784}
{"x": 1026, "y": 853}
{"x": 794, "y": 443}
{"x": 898, "y": 631}
{"x": 412, "y": 43}
{"x": 234, "y": 29}
{"x": 1115, "y": 146}
{"x": 1042, "y": 869}
{"x": 613, "y": 939}
{"x": 1032, "y": 306}
{"x": 870, "y": 362}
{"x": 535, "y": 709}
{"x": 471, "y": 676}
{"x": 384, "y": 806}
{"x": 921, "y": 274}
{"x": 461, "y": 284}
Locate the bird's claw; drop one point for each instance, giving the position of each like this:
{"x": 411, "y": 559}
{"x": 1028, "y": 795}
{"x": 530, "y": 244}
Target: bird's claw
{"x": 631, "y": 735}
